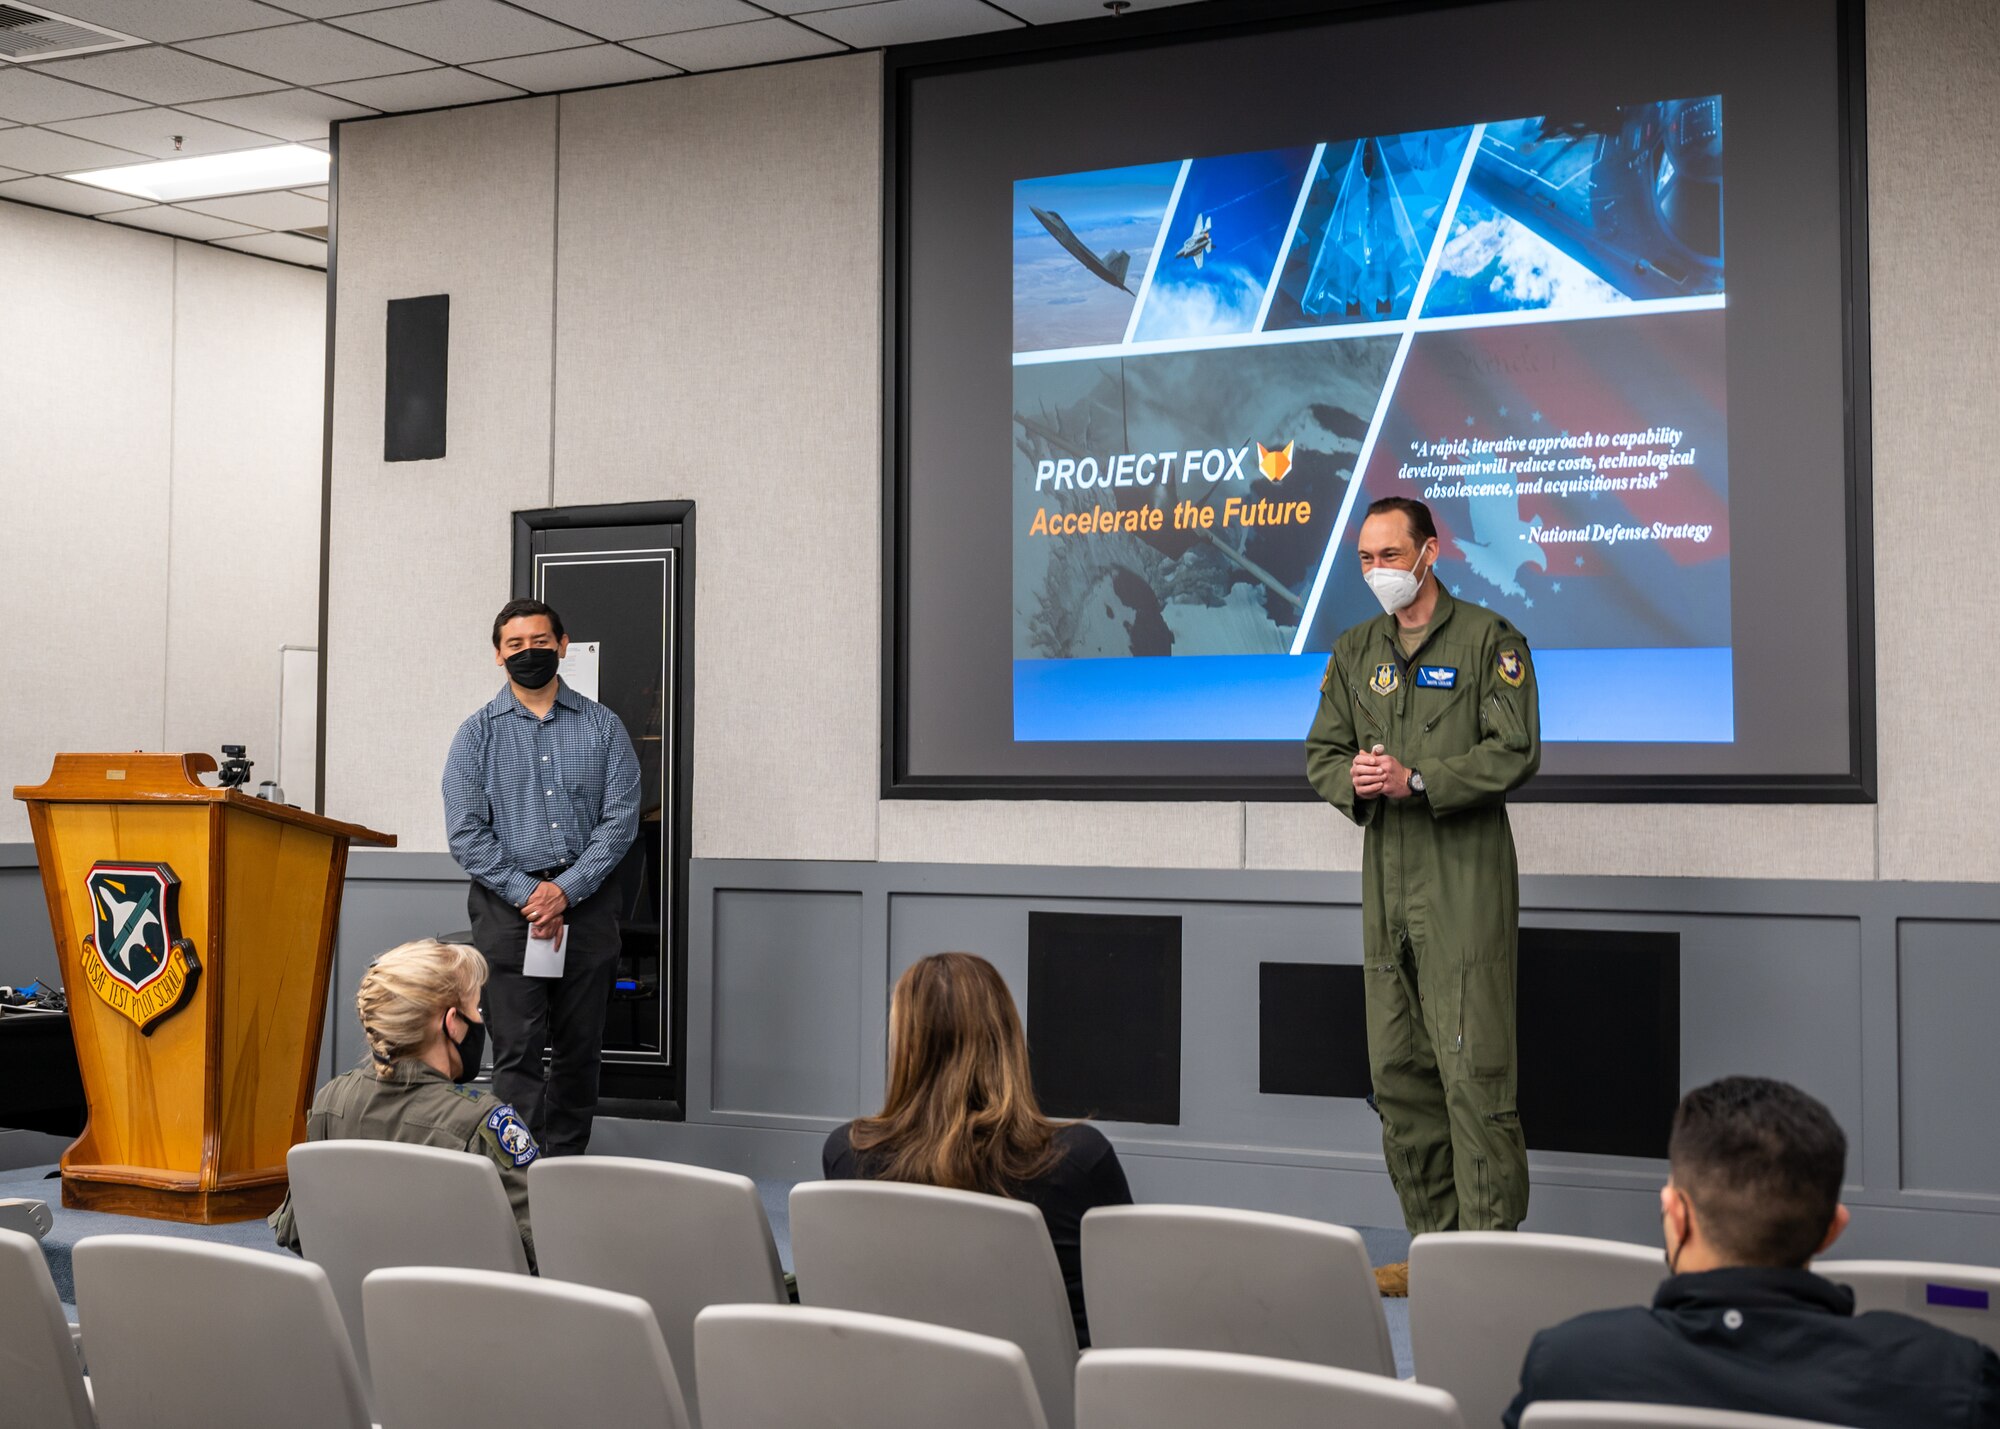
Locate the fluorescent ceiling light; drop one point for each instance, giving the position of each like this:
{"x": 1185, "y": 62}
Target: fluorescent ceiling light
{"x": 281, "y": 166}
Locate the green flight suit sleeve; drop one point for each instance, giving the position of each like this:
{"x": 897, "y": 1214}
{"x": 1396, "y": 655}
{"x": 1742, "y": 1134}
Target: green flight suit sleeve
{"x": 284, "y": 1225}
{"x": 1331, "y": 745}
{"x": 1510, "y": 735}
{"x": 491, "y": 1141}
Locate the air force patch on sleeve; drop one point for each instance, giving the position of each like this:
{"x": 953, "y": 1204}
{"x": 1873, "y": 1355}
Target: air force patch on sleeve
{"x": 1511, "y": 668}
{"x": 512, "y": 1133}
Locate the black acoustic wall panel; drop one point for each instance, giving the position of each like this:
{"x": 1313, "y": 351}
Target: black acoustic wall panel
{"x": 1104, "y": 1015}
{"x": 413, "y": 399}
{"x": 1312, "y": 1030}
{"x": 1600, "y": 1039}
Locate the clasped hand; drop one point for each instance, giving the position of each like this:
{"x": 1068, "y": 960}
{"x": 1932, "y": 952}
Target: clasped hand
{"x": 1380, "y": 776}
{"x": 544, "y": 909}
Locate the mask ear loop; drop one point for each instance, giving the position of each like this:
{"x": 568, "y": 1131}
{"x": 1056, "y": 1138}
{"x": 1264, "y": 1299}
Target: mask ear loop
{"x": 1674, "y": 1256}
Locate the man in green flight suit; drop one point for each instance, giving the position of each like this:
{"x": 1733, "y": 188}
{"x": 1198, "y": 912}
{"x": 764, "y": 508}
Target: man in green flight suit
{"x": 1427, "y": 718}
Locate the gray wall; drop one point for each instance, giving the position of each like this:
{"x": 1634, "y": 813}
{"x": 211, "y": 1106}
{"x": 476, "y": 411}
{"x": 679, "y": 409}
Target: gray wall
{"x": 160, "y": 455}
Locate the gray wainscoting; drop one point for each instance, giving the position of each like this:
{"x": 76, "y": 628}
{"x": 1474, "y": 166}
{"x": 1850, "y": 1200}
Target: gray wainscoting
{"x": 1880, "y": 998}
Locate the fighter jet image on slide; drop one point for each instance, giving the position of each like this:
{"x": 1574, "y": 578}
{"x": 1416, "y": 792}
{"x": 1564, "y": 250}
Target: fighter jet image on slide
{"x": 1199, "y": 242}
{"x": 1111, "y": 267}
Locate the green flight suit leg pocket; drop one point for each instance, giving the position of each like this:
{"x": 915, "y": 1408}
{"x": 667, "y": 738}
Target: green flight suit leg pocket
{"x": 1489, "y": 1152}
{"x": 1409, "y": 1093}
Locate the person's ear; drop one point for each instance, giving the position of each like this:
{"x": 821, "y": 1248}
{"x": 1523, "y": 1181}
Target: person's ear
{"x": 562, "y": 647}
{"x": 1676, "y": 1215}
{"x": 499, "y": 658}
{"x": 1833, "y": 1230}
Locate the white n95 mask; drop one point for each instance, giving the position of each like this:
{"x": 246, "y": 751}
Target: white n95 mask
{"x": 1394, "y": 588}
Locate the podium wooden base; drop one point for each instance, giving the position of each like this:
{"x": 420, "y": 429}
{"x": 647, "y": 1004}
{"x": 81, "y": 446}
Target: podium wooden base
{"x": 188, "y": 1204}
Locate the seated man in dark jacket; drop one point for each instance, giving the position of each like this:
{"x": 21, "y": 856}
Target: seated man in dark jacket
{"x": 1753, "y": 1194}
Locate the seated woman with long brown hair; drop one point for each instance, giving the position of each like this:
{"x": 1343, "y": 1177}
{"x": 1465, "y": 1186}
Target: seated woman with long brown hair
{"x": 961, "y": 1112}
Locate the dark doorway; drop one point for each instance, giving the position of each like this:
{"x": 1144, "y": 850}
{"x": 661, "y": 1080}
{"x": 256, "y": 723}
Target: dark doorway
{"x": 622, "y": 578}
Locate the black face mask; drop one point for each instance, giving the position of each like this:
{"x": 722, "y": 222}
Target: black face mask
{"x": 471, "y": 1047}
{"x": 534, "y": 667}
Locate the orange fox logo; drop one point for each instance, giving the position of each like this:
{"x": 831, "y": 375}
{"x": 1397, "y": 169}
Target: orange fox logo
{"x": 1274, "y": 464}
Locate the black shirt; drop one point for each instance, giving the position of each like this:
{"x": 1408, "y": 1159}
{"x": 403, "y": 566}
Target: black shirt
{"x": 1086, "y": 1175}
{"x": 1782, "y": 1342}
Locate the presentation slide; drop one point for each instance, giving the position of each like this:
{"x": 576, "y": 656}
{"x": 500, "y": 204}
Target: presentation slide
{"x": 1219, "y": 361}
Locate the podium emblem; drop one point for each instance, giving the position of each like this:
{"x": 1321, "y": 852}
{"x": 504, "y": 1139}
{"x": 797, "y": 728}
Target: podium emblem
{"x": 135, "y": 958}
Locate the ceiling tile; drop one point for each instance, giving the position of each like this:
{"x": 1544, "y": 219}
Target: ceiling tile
{"x": 152, "y": 131}
{"x": 165, "y": 218}
{"x": 286, "y": 246}
{"x": 903, "y": 22}
{"x": 164, "y": 21}
{"x": 27, "y": 96}
{"x": 295, "y": 114}
{"x": 1054, "y": 12}
{"x": 728, "y": 46}
{"x": 72, "y": 198}
{"x": 317, "y": 191}
{"x": 324, "y": 146}
{"x": 426, "y": 89}
{"x": 325, "y": 9}
{"x": 158, "y": 76}
{"x": 574, "y": 69}
{"x": 308, "y": 54}
{"x": 43, "y": 151}
{"x": 6, "y": 174}
{"x": 462, "y": 31}
{"x": 629, "y": 19}
{"x": 273, "y": 210}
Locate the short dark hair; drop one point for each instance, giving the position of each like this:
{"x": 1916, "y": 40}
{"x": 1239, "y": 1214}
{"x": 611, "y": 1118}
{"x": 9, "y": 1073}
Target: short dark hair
{"x": 1418, "y": 515}
{"x": 1761, "y": 1162}
{"x": 515, "y": 609}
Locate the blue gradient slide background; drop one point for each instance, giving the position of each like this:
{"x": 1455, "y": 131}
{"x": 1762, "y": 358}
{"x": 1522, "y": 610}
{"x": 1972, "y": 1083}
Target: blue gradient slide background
{"x": 1675, "y": 696}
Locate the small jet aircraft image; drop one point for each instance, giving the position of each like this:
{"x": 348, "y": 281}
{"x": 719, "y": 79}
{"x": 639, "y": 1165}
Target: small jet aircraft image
{"x": 1198, "y": 242}
{"x": 127, "y": 929}
{"x": 1111, "y": 267}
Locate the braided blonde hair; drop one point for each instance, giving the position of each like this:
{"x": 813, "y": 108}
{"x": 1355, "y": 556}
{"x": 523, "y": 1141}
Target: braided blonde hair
{"x": 407, "y": 989}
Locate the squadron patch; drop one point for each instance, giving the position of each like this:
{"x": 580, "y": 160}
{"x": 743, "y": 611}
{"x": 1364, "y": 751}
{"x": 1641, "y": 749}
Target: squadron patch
{"x": 512, "y": 1133}
{"x": 135, "y": 957}
{"x": 1510, "y": 668}
{"x": 1386, "y": 680}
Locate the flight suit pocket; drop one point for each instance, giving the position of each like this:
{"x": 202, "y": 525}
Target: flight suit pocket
{"x": 1500, "y": 716}
{"x": 1486, "y": 1017}
{"x": 1391, "y": 1034}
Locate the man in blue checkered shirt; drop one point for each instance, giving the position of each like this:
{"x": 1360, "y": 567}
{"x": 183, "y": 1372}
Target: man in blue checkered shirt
{"x": 541, "y": 801}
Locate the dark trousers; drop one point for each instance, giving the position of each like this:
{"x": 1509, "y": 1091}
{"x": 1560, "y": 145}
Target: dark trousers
{"x": 565, "y": 1015}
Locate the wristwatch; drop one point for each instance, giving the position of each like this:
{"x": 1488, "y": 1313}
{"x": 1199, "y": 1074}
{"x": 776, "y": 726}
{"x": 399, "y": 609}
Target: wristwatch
{"x": 1416, "y": 782}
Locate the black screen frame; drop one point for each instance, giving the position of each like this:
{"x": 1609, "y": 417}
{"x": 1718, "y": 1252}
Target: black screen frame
{"x": 905, "y": 64}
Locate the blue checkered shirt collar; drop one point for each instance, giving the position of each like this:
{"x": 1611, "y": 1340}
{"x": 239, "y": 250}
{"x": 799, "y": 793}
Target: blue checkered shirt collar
{"x": 505, "y": 703}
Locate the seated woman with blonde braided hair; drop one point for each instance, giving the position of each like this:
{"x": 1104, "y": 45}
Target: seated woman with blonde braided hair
{"x": 419, "y": 1010}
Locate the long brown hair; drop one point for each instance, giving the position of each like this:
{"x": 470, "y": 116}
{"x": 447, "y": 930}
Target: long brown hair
{"x": 961, "y": 1110}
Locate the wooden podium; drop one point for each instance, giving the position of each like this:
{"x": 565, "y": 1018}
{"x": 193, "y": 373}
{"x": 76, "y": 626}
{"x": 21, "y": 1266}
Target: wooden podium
{"x": 195, "y": 927}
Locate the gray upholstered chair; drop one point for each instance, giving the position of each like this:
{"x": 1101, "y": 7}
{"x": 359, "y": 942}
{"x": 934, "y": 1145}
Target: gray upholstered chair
{"x": 1200, "y": 1278}
{"x": 41, "y": 1380}
{"x": 1200, "y": 1389}
{"x": 763, "y": 1365}
{"x": 503, "y": 1351}
{"x": 187, "y": 1334}
{"x": 681, "y": 1238}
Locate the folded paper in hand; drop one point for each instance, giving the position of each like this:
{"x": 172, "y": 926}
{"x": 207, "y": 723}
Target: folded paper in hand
{"x": 545, "y": 955}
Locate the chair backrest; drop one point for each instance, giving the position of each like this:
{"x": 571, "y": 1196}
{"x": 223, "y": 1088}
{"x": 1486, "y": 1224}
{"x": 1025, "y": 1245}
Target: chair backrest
{"x": 1199, "y": 1389}
{"x": 1962, "y": 1298}
{"x": 762, "y": 1366}
{"x": 368, "y": 1205}
{"x": 41, "y": 1382}
{"x": 681, "y": 1238}
{"x": 187, "y": 1334}
{"x": 502, "y": 1351}
{"x": 1477, "y": 1298}
{"x": 1198, "y": 1278}
{"x": 970, "y": 1262}
{"x": 1560, "y": 1414}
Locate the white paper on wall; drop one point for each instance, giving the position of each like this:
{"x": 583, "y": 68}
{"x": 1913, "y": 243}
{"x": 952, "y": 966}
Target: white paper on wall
{"x": 579, "y": 668}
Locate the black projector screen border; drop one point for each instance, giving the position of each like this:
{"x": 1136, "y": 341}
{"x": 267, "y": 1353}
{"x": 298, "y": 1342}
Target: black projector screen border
{"x": 1838, "y": 615}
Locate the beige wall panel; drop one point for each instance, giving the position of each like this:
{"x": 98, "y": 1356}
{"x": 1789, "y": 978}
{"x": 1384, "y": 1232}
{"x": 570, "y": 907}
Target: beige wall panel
{"x": 1934, "y": 196}
{"x": 718, "y": 328}
{"x": 1063, "y": 833}
{"x": 459, "y": 202}
{"x": 86, "y": 356}
{"x": 249, "y": 387}
{"x": 1657, "y": 841}
{"x": 1301, "y": 835}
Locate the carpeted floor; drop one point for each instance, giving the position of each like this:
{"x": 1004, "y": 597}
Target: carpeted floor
{"x": 1384, "y": 1245}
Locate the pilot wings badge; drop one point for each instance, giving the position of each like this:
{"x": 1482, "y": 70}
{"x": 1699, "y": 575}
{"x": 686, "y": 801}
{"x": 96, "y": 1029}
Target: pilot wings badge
{"x": 135, "y": 957}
